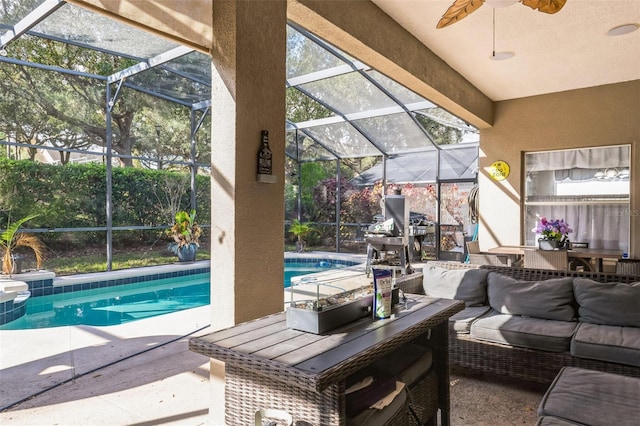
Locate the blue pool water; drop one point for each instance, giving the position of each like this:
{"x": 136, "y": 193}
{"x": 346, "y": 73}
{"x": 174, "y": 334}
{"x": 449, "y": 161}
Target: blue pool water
{"x": 124, "y": 303}
{"x": 114, "y": 305}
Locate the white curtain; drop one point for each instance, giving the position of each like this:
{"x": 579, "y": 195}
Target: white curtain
{"x": 601, "y": 225}
{"x": 588, "y": 158}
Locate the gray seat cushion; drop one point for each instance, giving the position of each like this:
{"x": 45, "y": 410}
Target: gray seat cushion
{"x": 592, "y": 397}
{"x": 534, "y": 333}
{"x": 469, "y": 285}
{"x": 607, "y": 343}
{"x": 608, "y": 304}
{"x": 461, "y": 322}
{"x": 550, "y": 299}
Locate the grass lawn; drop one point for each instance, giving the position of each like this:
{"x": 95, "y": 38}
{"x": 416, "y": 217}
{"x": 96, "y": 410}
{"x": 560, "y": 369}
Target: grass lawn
{"x": 82, "y": 263}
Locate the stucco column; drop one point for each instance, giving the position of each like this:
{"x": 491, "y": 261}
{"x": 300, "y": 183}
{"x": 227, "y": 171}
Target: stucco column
{"x": 247, "y": 216}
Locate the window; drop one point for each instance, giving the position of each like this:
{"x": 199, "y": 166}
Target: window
{"x": 588, "y": 188}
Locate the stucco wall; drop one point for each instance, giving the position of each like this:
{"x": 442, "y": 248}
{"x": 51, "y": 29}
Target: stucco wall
{"x": 598, "y": 116}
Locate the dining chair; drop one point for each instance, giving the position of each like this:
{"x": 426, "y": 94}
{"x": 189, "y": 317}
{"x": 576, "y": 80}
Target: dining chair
{"x": 473, "y": 247}
{"x": 489, "y": 259}
{"x": 546, "y": 259}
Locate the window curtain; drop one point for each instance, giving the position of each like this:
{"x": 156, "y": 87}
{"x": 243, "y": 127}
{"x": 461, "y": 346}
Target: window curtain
{"x": 590, "y": 158}
{"x": 601, "y": 225}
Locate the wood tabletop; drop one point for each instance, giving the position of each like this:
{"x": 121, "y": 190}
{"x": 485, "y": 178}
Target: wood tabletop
{"x": 268, "y": 347}
{"x": 577, "y": 252}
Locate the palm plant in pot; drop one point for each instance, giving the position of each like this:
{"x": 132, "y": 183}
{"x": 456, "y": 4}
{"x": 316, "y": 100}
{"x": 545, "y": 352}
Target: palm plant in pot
{"x": 186, "y": 236}
{"x": 300, "y": 231}
{"x": 12, "y": 238}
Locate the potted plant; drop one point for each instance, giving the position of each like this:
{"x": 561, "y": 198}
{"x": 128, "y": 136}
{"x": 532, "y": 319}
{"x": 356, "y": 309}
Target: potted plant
{"x": 11, "y": 239}
{"x": 300, "y": 231}
{"x": 186, "y": 236}
{"x": 554, "y": 233}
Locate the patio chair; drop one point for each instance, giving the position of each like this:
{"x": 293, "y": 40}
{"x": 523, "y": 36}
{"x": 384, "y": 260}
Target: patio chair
{"x": 489, "y": 259}
{"x": 473, "y": 247}
{"x": 546, "y": 259}
{"x": 476, "y": 257}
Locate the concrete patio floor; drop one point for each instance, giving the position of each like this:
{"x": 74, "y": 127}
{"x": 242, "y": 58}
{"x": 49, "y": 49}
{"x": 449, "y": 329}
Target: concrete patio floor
{"x": 142, "y": 373}
{"x": 170, "y": 385}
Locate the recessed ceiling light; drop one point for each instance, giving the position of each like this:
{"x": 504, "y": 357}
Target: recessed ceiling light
{"x": 501, "y": 56}
{"x": 623, "y": 29}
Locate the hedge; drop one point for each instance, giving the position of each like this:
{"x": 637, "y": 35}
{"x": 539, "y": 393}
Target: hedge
{"x": 74, "y": 195}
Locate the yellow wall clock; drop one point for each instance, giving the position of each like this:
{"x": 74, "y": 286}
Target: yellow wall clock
{"x": 499, "y": 170}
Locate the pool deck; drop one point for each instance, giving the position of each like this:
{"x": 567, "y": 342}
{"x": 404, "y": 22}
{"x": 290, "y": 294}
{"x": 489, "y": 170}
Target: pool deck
{"x": 142, "y": 373}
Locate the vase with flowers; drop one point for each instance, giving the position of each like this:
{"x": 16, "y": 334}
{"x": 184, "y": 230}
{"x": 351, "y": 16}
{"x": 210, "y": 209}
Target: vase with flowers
{"x": 554, "y": 234}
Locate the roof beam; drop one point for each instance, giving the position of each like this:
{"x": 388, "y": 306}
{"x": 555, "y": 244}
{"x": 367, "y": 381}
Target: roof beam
{"x": 31, "y": 20}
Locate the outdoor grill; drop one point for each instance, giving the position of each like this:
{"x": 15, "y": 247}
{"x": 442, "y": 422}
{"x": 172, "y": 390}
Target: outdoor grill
{"x": 390, "y": 239}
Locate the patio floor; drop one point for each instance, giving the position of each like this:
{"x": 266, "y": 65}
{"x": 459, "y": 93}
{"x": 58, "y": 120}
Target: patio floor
{"x": 142, "y": 373}
{"x": 170, "y": 385}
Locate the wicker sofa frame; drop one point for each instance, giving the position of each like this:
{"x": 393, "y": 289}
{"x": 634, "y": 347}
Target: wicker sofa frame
{"x": 521, "y": 363}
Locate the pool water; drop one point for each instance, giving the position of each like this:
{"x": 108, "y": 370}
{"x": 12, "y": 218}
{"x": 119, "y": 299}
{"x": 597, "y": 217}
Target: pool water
{"x": 130, "y": 302}
{"x": 303, "y": 269}
{"x": 116, "y": 304}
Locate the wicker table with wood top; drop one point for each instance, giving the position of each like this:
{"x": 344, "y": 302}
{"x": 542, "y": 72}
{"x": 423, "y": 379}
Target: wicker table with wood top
{"x": 268, "y": 365}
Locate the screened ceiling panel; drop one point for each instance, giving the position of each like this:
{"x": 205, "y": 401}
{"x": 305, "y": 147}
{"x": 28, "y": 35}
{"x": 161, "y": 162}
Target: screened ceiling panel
{"x": 305, "y": 56}
{"x": 456, "y": 163}
{"x": 348, "y": 93}
{"x": 395, "y": 133}
{"x": 172, "y": 85}
{"x": 13, "y": 12}
{"x": 195, "y": 66}
{"x": 344, "y": 140}
{"x": 397, "y": 90}
{"x": 459, "y": 162}
{"x": 339, "y": 106}
{"x": 305, "y": 149}
{"x": 78, "y": 25}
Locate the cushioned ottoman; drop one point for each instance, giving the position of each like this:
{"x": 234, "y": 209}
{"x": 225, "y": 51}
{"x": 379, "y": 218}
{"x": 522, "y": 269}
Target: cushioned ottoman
{"x": 593, "y": 398}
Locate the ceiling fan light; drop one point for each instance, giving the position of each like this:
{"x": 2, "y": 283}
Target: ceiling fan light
{"x": 501, "y": 56}
{"x": 623, "y": 29}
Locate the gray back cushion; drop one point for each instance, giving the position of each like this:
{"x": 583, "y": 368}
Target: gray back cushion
{"x": 608, "y": 304}
{"x": 549, "y": 299}
{"x": 469, "y": 285}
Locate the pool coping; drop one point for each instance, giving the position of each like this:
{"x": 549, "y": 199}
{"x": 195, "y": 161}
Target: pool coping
{"x": 153, "y": 272}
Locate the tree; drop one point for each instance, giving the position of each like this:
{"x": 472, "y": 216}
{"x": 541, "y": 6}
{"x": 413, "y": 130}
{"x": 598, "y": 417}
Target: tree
{"x": 68, "y": 111}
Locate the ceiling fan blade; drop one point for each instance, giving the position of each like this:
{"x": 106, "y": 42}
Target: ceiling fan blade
{"x": 546, "y": 6}
{"x": 459, "y": 10}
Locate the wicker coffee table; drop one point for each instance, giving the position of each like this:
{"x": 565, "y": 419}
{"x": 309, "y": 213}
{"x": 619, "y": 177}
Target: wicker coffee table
{"x": 268, "y": 365}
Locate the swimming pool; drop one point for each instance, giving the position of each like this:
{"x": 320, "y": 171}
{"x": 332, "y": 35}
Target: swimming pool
{"x": 119, "y": 304}
{"x": 114, "y": 305}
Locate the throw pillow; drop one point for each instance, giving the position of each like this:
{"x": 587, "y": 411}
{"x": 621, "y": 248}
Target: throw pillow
{"x": 608, "y": 303}
{"x": 548, "y": 299}
{"x": 469, "y": 285}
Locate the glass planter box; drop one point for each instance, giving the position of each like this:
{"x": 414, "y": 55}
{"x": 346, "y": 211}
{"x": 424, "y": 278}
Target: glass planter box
{"x": 325, "y": 313}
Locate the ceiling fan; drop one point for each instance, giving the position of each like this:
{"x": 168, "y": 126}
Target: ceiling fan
{"x": 462, "y": 8}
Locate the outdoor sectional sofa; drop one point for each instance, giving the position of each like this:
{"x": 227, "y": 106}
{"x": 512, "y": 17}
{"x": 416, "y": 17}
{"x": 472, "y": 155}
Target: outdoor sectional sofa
{"x": 529, "y": 323}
